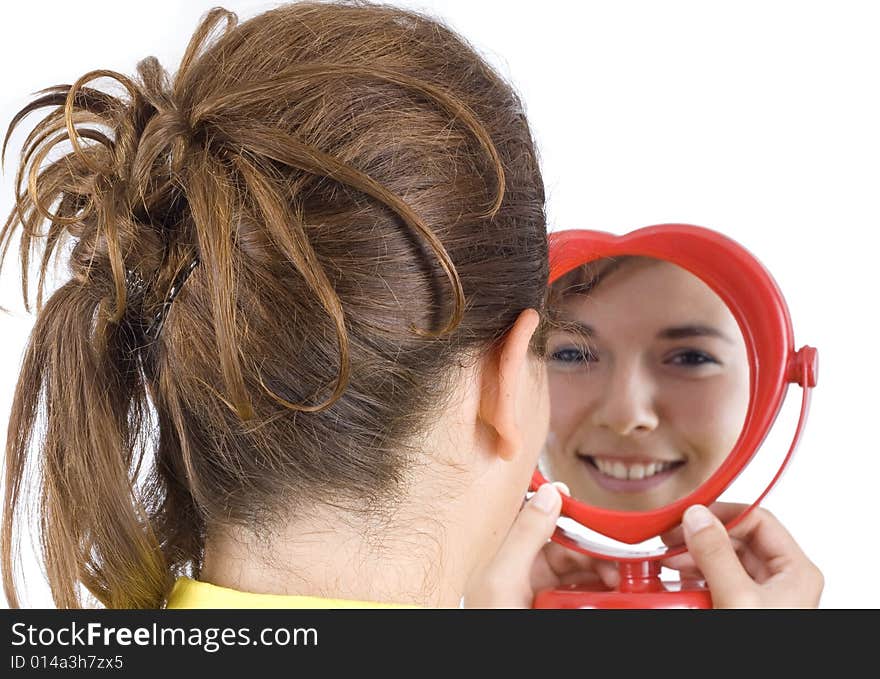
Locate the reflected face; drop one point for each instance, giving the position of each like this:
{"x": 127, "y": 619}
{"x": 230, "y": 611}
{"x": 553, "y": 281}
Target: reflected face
{"x": 649, "y": 387}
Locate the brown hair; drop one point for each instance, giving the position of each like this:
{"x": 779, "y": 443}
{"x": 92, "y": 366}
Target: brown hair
{"x": 583, "y": 279}
{"x": 356, "y": 198}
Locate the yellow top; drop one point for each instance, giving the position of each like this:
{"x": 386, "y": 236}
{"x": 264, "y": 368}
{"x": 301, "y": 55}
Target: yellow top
{"x": 189, "y": 593}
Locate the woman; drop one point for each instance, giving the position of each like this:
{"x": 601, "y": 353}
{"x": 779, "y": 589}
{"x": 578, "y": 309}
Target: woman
{"x": 313, "y": 264}
{"x": 302, "y": 340}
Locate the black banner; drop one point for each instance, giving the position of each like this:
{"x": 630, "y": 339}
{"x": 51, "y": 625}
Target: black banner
{"x": 262, "y": 642}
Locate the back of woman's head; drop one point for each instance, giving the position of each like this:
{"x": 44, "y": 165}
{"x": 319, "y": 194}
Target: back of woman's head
{"x": 276, "y": 255}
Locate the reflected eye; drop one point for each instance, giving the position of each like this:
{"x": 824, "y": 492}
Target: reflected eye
{"x": 573, "y": 356}
{"x": 692, "y": 358}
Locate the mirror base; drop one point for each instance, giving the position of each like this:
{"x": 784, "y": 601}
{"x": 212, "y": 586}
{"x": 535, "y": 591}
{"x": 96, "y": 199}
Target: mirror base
{"x": 670, "y": 595}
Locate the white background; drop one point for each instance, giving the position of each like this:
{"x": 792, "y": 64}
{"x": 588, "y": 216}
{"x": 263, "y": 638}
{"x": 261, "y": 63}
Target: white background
{"x": 757, "y": 119}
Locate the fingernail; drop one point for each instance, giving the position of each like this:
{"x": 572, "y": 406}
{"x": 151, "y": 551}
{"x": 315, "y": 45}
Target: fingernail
{"x": 562, "y": 487}
{"x": 696, "y": 518}
{"x": 546, "y": 498}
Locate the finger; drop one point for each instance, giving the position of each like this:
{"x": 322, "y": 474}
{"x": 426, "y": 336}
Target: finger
{"x": 564, "y": 560}
{"x": 769, "y": 547}
{"x": 680, "y": 562}
{"x": 562, "y": 488}
{"x": 529, "y": 533}
{"x": 685, "y": 566}
{"x": 725, "y": 511}
{"x": 562, "y": 565}
{"x": 609, "y": 572}
{"x": 754, "y": 565}
{"x": 591, "y": 579}
{"x": 714, "y": 554}
{"x": 555, "y": 563}
{"x": 768, "y": 538}
{"x": 602, "y": 574}
{"x": 685, "y": 560}
{"x": 673, "y": 537}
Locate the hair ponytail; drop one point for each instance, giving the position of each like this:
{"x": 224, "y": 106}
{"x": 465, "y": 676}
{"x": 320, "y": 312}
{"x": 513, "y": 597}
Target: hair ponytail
{"x": 81, "y": 418}
{"x": 76, "y": 378}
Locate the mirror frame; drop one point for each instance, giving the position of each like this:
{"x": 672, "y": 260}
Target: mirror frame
{"x": 757, "y": 304}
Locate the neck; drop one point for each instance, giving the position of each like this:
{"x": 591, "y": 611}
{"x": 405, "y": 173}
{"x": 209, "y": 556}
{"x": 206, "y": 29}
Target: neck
{"x": 416, "y": 554}
{"x": 420, "y": 548}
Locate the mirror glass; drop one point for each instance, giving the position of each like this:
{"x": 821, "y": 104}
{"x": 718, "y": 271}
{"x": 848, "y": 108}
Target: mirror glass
{"x": 649, "y": 383}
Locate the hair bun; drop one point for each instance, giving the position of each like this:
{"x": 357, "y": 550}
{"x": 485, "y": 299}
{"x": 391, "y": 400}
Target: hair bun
{"x": 162, "y": 130}
{"x": 118, "y": 191}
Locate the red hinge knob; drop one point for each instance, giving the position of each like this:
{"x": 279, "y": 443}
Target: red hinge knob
{"x": 803, "y": 367}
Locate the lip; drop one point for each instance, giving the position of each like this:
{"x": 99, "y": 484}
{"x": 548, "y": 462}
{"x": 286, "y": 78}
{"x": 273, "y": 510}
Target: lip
{"x": 616, "y": 485}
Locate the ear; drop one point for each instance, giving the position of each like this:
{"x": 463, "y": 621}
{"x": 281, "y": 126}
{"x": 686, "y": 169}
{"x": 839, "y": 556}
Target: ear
{"x": 505, "y": 381}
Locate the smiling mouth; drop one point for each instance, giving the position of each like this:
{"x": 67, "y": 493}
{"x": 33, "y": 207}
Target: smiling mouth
{"x": 630, "y": 471}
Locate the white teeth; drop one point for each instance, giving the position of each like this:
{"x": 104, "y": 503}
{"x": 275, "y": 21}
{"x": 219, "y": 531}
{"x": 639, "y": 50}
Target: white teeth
{"x": 636, "y": 471}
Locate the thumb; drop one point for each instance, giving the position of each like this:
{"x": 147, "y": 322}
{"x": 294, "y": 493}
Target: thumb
{"x": 713, "y": 553}
{"x": 533, "y": 527}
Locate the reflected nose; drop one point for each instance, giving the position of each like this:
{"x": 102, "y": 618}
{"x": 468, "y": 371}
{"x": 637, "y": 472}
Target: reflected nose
{"x": 626, "y": 405}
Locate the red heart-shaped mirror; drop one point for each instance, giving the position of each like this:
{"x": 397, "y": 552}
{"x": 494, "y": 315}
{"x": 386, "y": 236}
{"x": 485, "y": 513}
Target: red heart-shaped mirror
{"x": 670, "y": 352}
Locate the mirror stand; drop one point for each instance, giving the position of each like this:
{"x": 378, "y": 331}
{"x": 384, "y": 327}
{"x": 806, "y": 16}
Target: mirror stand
{"x": 640, "y": 586}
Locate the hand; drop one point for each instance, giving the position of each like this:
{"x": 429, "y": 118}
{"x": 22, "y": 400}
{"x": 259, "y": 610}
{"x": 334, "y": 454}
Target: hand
{"x": 758, "y": 565}
{"x": 528, "y": 562}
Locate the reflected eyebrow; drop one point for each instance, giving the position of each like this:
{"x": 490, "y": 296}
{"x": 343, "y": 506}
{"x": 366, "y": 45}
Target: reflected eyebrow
{"x": 684, "y": 331}
{"x": 672, "y": 333}
{"x": 573, "y": 326}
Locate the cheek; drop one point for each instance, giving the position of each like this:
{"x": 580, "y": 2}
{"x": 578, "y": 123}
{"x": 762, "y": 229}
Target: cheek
{"x": 544, "y": 410}
{"x": 707, "y": 416}
{"x": 570, "y": 396}
{"x": 534, "y": 413}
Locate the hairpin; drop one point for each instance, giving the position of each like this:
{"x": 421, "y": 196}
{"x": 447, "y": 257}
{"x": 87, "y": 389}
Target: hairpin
{"x": 155, "y": 326}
